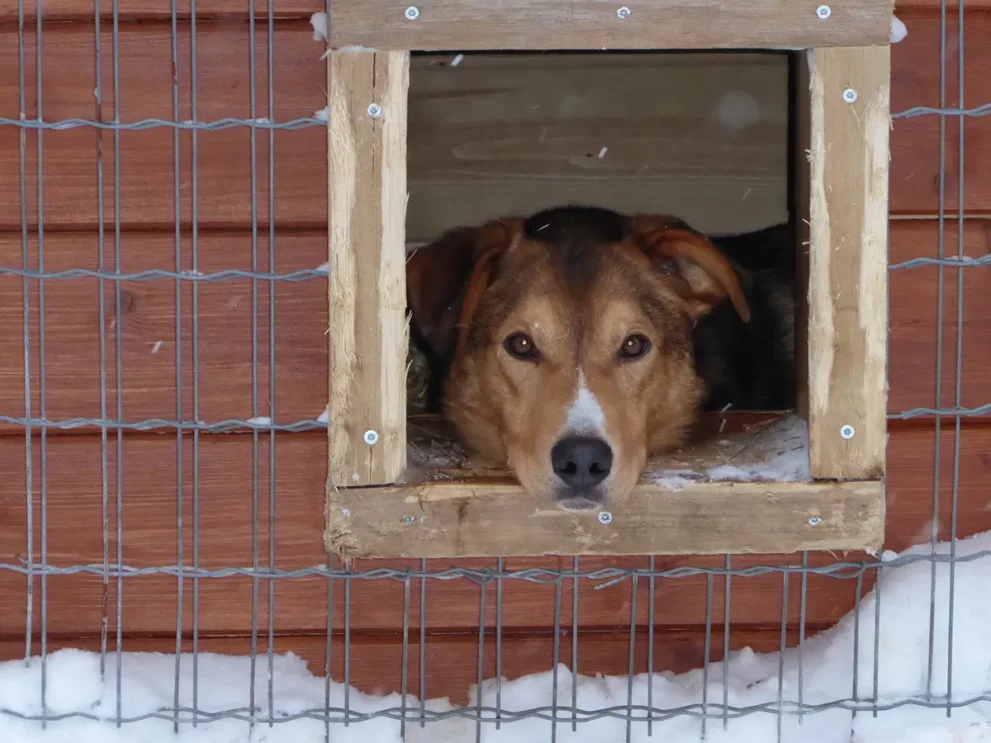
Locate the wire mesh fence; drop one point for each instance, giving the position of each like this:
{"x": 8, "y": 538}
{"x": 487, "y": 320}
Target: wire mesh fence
{"x": 561, "y": 584}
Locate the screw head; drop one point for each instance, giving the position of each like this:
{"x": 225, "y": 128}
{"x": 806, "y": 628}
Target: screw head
{"x": 605, "y": 517}
{"x": 374, "y": 110}
{"x": 371, "y": 437}
{"x": 847, "y": 432}
{"x": 824, "y": 11}
{"x": 623, "y": 12}
{"x": 850, "y": 95}
{"x": 815, "y": 521}
{"x": 412, "y": 13}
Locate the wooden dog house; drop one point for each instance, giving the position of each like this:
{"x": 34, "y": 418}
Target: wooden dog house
{"x": 377, "y": 507}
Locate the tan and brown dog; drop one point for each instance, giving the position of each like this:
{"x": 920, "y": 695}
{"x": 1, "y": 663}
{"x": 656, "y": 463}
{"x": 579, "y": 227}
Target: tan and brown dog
{"x": 566, "y": 343}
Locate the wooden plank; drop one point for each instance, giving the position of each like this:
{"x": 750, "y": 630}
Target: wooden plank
{"x": 376, "y": 662}
{"x": 485, "y": 136}
{"x": 501, "y": 134}
{"x": 72, "y": 326}
{"x": 592, "y": 24}
{"x": 223, "y": 488}
{"x": 82, "y": 10}
{"x": 482, "y": 519}
{"x": 134, "y": 10}
{"x": 366, "y": 144}
{"x": 916, "y": 316}
{"x": 916, "y": 154}
{"x": 153, "y": 351}
{"x": 464, "y": 159}
{"x": 847, "y": 255}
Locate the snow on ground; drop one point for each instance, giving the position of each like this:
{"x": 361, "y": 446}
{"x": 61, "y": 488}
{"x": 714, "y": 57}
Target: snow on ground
{"x": 74, "y": 685}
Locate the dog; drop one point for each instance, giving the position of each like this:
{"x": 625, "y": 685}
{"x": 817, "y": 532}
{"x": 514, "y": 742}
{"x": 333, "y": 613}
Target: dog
{"x": 574, "y": 343}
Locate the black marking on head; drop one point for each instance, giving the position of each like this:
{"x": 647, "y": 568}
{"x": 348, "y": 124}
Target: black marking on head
{"x": 577, "y": 238}
{"x": 567, "y": 224}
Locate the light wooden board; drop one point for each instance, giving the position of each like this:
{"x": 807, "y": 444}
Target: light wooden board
{"x": 703, "y": 136}
{"x": 847, "y": 173}
{"x": 238, "y": 9}
{"x": 741, "y": 492}
{"x": 480, "y": 518}
{"x": 594, "y": 24}
{"x": 367, "y": 93}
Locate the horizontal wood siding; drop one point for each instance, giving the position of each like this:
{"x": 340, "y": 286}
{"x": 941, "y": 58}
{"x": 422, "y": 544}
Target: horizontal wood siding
{"x": 479, "y": 144}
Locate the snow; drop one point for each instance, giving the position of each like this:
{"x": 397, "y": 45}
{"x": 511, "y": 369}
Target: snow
{"x": 319, "y": 23}
{"x": 898, "y": 30}
{"x": 777, "y": 453}
{"x": 260, "y": 420}
{"x": 74, "y": 685}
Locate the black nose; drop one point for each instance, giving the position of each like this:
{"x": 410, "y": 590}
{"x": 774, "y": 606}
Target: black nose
{"x": 581, "y": 461}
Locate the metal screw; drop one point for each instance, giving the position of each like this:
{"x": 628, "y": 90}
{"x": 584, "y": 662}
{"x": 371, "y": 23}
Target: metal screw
{"x": 850, "y": 95}
{"x": 847, "y": 432}
{"x": 371, "y": 437}
{"x": 815, "y": 521}
{"x": 408, "y": 519}
{"x": 623, "y": 12}
{"x": 374, "y": 110}
{"x": 605, "y": 517}
{"x": 824, "y": 11}
{"x": 412, "y": 13}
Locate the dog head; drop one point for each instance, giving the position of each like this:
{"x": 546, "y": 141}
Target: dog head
{"x": 568, "y": 341}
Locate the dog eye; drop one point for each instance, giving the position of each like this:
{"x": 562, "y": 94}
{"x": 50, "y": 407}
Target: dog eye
{"x": 521, "y": 346}
{"x": 634, "y": 347}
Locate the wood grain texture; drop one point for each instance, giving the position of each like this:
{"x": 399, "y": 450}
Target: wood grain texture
{"x": 847, "y": 254}
{"x": 486, "y": 137}
{"x": 224, "y": 377}
{"x": 557, "y": 119}
{"x": 702, "y": 136}
{"x": 916, "y": 314}
{"x": 141, "y": 10}
{"x": 368, "y": 336}
{"x": 133, "y": 10}
{"x": 487, "y": 519}
{"x": 223, "y": 488}
{"x": 594, "y": 24}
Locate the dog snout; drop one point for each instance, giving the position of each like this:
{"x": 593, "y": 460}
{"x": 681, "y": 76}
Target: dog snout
{"x": 582, "y": 462}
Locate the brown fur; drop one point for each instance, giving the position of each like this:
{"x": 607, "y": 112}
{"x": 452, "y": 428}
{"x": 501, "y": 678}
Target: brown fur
{"x": 580, "y": 287}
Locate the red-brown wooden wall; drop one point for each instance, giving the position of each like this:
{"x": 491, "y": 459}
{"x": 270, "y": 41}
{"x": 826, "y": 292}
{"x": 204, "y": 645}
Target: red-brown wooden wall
{"x": 73, "y": 473}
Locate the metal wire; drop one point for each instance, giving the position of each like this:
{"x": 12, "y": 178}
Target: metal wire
{"x": 36, "y": 567}
{"x": 605, "y": 577}
{"x": 305, "y": 122}
{"x": 542, "y": 712}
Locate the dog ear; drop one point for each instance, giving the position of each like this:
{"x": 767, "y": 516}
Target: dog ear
{"x": 705, "y": 276}
{"x": 446, "y": 279}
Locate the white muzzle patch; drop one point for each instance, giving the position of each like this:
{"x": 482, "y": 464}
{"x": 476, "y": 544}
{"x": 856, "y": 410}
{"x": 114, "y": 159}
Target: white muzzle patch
{"x": 585, "y": 415}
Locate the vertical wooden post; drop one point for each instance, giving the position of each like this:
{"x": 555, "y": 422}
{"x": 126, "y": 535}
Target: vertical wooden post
{"x": 367, "y": 91}
{"x": 845, "y": 130}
